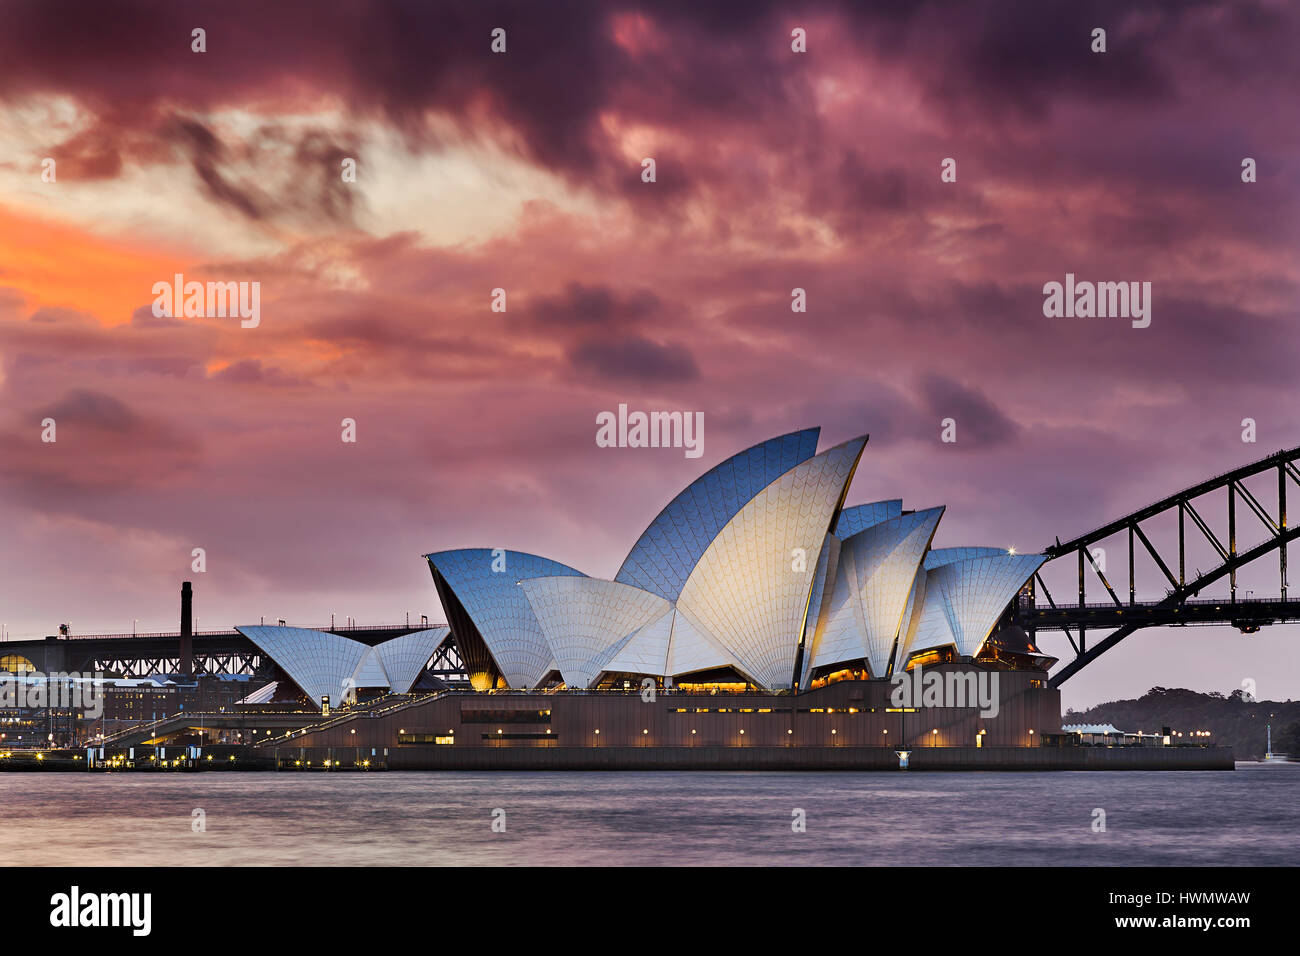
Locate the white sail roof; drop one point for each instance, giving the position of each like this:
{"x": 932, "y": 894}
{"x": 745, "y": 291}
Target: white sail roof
{"x": 911, "y": 619}
{"x": 964, "y": 599}
{"x": 370, "y": 672}
{"x": 404, "y": 657}
{"x": 262, "y": 695}
{"x": 859, "y": 517}
{"x": 746, "y": 591}
{"x": 484, "y": 581}
{"x": 876, "y": 569}
{"x": 820, "y": 603}
{"x": 755, "y": 566}
{"x": 690, "y": 650}
{"x": 941, "y": 556}
{"x": 646, "y": 651}
{"x": 664, "y": 555}
{"x": 586, "y": 621}
{"x": 320, "y": 663}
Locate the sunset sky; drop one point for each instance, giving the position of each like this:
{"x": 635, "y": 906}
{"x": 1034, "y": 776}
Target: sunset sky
{"x": 522, "y": 171}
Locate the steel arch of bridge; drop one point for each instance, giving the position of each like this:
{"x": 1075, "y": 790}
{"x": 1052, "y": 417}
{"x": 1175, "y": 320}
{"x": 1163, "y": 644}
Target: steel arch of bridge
{"x": 1175, "y": 608}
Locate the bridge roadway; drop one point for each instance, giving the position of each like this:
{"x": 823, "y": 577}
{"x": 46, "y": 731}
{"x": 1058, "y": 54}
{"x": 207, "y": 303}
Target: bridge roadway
{"x": 1248, "y": 615}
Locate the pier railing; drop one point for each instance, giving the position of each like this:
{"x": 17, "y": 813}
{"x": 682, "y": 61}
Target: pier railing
{"x": 151, "y": 725}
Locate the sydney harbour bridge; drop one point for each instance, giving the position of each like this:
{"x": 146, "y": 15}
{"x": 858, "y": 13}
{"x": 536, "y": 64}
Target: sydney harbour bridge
{"x": 1189, "y": 520}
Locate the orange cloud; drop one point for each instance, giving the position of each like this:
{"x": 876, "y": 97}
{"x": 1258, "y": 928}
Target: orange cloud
{"x": 58, "y": 265}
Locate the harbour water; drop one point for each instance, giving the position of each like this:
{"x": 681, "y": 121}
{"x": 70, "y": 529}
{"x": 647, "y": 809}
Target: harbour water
{"x": 1249, "y": 817}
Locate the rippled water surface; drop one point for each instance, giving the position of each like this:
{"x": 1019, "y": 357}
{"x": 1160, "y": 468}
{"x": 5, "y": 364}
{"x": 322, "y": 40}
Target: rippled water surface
{"x": 1248, "y": 817}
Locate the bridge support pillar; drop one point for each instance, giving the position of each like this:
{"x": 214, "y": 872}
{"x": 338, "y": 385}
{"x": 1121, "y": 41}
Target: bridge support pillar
{"x": 1232, "y": 538}
{"x": 55, "y": 657}
{"x": 1281, "y": 523}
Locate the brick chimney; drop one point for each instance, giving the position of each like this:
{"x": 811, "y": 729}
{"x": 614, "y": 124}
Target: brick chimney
{"x": 187, "y": 629}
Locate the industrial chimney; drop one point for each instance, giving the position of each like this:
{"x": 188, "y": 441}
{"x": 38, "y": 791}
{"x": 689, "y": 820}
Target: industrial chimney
{"x": 187, "y": 630}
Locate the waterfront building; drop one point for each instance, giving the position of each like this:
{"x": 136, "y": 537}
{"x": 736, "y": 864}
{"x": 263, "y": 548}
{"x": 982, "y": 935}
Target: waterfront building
{"x": 755, "y": 610}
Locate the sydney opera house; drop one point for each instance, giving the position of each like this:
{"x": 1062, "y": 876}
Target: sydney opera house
{"x": 754, "y": 575}
{"x": 755, "y": 610}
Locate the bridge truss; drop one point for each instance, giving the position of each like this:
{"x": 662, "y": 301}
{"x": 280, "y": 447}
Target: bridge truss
{"x": 1179, "y": 605}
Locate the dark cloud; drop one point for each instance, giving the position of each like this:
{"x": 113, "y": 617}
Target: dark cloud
{"x": 1031, "y": 56}
{"x": 89, "y": 409}
{"x": 103, "y": 448}
{"x": 583, "y": 305}
{"x": 318, "y": 167}
{"x": 89, "y": 155}
{"x": 860, "y": 406}
{"x": 50, "y": 317}
{"x": 277, "y": 172}
{"x": 980, "y": 423}
{"x": 57, "y": 345}
{"x": 679, "y": 62}
{"x": 252, "y": 372}
{"x": 144, "y": 318}
{"x": 865, "y": 187}
{"x": 206, "y": 154}
{"x": 635, "y": 359}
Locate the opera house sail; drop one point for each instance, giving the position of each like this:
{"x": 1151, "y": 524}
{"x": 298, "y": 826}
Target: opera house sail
{"x": 756, "y": 574}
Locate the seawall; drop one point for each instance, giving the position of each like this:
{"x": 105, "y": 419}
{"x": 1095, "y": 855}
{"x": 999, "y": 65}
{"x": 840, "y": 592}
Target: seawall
{"x": 759, "y": 758}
